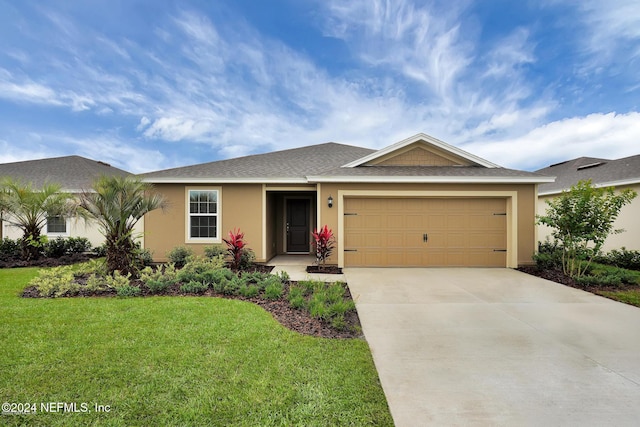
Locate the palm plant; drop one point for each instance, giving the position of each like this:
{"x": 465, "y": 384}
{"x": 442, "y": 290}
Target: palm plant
{"x": 28, "y": 209}
{"x": 117, "y": 204}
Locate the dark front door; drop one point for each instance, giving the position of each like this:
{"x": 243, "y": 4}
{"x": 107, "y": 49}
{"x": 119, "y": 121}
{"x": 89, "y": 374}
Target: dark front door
{"x": 298, "y": 225}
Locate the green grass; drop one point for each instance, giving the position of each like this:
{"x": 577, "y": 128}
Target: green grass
{"x": 176, "y": 361}
{"x": 631, "y": 296}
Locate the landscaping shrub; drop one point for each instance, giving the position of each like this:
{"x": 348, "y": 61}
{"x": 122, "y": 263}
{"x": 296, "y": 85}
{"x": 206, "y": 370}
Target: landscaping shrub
{"x": 54, "y": 282}
{"x": 160, "y": 279}
{"x": 324, "y": 243}
{"x": 233, "y": 286}
{"x": 214, "y": 251}
{"x": 77, "y": 245}
{"x": 100, "y": 251}
{"x": 247, "y": 259}
{"x": 549, "y": 255}
{"x": 179, "y": 255}
{"x": 194, "y": 287}
{"x": 200, "y": 269}
{"x": 97, "y": 282}
{"x": 117, "y": 280}
{"x": 273, "y": 288}
{"x": 9, "y": 249}
{"x": 296, "y": 298}
{"x": 236, "y": 247}
{"x": 249, "y": 291}
{"x": 55, "y": 248}
{"x": 623, "y": 258}
{"x": 128, "y": 291}
{"x": 327, "y": 302}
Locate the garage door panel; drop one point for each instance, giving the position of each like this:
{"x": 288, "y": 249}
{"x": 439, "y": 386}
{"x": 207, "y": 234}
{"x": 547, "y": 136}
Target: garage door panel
{"x": 390, "y": 232}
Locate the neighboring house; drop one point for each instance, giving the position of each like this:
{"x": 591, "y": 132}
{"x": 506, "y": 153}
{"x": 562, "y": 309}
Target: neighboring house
{"x": 420, "y": 202}
{"x": 620, "y": 173}
{"x": 75, "y": 174}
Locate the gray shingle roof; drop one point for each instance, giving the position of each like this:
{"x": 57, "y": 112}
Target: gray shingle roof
{"x": 324, "y": 162}
{"x": 293, "y": 163}
{"x": 600, "y": 171}
{"x": 434, "y": 171}
{"x": 72, "y": 172}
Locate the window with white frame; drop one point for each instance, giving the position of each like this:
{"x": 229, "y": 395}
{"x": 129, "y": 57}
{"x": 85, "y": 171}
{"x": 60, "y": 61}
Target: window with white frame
{"x": 203, "y": 214}
{"x": 56, "y": 225}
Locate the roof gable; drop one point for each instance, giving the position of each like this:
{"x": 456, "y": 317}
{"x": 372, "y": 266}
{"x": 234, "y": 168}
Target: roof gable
{"x": 421, "y": 150}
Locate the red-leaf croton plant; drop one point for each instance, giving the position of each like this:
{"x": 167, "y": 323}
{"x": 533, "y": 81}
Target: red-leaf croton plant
{"x": 324, "y": 243}
{"x": 235, "y": 247}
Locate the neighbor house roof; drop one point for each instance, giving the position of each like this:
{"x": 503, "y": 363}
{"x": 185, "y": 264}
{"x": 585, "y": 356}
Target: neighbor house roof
{"x": 73, "y": 173}
{"x": 602, "y": 172}
{"x": 332, "y": 162}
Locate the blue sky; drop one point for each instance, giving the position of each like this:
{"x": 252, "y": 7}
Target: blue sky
{"x": 148, "y": 85}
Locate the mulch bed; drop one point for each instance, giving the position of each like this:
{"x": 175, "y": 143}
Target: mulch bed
{"x": 46, "y": 262}
{"x": 327, "y": 269}
{"x": 297, "y": 320}
{"x": 559, "y": 277}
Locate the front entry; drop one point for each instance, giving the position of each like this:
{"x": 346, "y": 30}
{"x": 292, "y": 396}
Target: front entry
{"x": 297, "y": 226}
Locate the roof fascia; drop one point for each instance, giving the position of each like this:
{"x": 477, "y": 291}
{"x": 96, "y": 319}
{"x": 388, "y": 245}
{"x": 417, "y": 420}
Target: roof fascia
{"x": 434, "y": 179}
{"x": 429, "y": 140}
{"x": 217, "y": 180}
{"x": 596, "y": 185}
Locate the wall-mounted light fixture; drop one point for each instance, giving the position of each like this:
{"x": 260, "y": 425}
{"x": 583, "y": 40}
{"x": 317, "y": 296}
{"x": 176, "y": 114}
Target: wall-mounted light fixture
{"x": 330, "y": 201}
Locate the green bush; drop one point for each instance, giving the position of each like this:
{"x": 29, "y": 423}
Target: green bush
{"x": 549, "y": 255}
{"x": 249, "y": 291}
{"x": 53, "y": 282}
{"x": 273, "y": 288}
{"x": 93, "y": 266}
{"x": 77, "y": 245}
{"x": 97, "y": 282}
{"x": 117, "y": 281}
{"x": 100, "y": 251}
{"x": 179, "y": 255}
{"x": 145, "y": 258}
{"x": 194, "y": 287}
{"x": 55, "y": 248}
{"x": 200, "y": 269}
{"x": 623, "y": 258}
{"x": 128, "y": 291}
{"x": 247, "y": 259}
{"x": 296, "y": 298}
{"x": 233, "y": 286}
{"x": 9, "y": 249}
{"x": 214, "y": 251}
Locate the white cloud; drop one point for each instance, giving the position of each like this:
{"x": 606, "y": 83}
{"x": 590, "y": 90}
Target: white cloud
{"x": 607, "y": 136}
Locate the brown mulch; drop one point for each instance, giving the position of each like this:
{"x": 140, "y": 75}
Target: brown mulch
{"x": 327, "y": 269}
{"x": 46, "y": 262}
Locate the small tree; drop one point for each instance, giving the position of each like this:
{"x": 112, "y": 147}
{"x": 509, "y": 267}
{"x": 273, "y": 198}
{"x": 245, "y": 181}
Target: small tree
{"x": 324, "y": 242}
{"x": 582, "y": 219}
{"x": 28, "y": 209}
{"x": 117, "y": 204}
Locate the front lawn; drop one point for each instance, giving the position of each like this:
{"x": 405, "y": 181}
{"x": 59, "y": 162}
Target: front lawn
{"x": 176, "y": 361}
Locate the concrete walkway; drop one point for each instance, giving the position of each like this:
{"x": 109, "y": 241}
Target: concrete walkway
{"x": 296, "y": 268}
{"x": 498, "y": 347}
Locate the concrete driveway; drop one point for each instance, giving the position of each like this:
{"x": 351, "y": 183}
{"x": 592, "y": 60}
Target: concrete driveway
{"x": 498, "y": 347}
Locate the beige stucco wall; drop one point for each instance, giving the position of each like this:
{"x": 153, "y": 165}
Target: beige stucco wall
{"x": 241, "y": 207}
{"x": 629, "y": 220}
